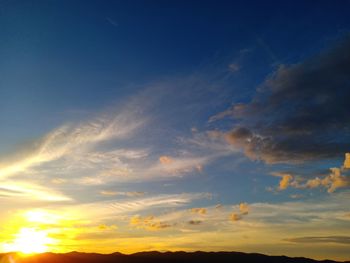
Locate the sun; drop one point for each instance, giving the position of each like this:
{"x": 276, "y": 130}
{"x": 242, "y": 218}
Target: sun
{"x": 29, "y": 241}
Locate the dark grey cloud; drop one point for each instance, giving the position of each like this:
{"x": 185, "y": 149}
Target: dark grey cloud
{"x": 195, "y": 222}
{"x": 301, "y": 112}
{"x": 322, "y": 239}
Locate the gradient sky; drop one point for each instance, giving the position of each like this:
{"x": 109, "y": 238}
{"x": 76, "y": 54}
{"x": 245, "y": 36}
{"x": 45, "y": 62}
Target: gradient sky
{"x": 175, "y": 125}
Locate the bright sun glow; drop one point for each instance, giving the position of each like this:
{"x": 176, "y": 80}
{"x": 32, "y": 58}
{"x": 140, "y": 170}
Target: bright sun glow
{"x": 40, "y": 216}
{"x": 29, "y": 241}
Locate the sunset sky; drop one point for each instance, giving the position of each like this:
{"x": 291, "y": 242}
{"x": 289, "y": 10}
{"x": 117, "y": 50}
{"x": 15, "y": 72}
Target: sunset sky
{"x": 175, "y": 125}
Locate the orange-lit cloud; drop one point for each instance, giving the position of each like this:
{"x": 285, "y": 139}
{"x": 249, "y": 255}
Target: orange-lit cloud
{"x": 235, "y": 217}
{"x": 148, "y": 223}
{"x": 199, "y": 210}
{"x": 244, "y": 208}
{"x": 285, "y": 181}
{"x": 347, "y": 161}
{"x": 165, "y": 159}
{"x": 332, "y": 182}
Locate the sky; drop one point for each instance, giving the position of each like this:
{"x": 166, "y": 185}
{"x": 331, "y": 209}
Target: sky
{"x": 175, "y": 125}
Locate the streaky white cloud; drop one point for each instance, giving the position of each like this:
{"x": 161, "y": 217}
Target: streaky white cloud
{"x": 26, "y": 191}
{"x": 176, "y": 166}
{"x": 73, "y": 139}
{"x": 167, "y": 201}
{"x": 128, "y": 194}
{"x": 122, "y": 210}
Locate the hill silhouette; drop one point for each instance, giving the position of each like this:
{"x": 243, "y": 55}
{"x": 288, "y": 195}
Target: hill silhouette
{"x": 154, "y": 257}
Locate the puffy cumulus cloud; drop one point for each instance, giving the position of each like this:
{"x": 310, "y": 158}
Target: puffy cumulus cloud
{"x": 286, "y": 181}
{"x": 244, "y": 208}
{"x": 331, "y": 182}
{"x": 235, "y": 217}
{"x": 149, "y": 223}
{"x": 297, "y": 112}
{"x": 243, "y": 211}
{"x": 337, "y": 178}
{"x": 199, "y": 210}
{"x": 347, "y": 161}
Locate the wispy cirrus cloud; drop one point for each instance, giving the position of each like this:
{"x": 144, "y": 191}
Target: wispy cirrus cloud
{"x": 128, "y": 194}
{"x": 175, "y": 200}
{"x": 25, "y": 191}
{"x": 321, "y": 239}
{"x": 70, "y": 140}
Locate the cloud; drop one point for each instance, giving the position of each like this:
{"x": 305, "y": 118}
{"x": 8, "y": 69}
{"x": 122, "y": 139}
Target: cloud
{"x": 71, "y": 140}
{"x": 234, "y": 67}
{"x": 218, "y": 206}
{"x": 175, "y": 166}
{"x": 195, "y": 222}
{"x": 148, "y": 223}
{"x": 165, "y": 159}
{"x": 286, "y": 181}
{"x": 334, "y": 180}
{"x": 58, "y": 181}
{"x": 296, "y": 196}
{"x": 235, "y": 217}
{"x": 26, "y": 191}
{"x": 298, "y": 114}
{"x": 200, "y": 211}
{"x": 347, "y": 161}
{"x": 321, "y": 239}
{"x": 128, "y": 194}
{"x": 243, "y": 211}
{"x": 244, "y": 208}
{"x": 174, "y": 200}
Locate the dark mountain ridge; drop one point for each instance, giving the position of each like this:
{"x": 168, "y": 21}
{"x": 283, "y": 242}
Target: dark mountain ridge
{"x": 155, "y": 256}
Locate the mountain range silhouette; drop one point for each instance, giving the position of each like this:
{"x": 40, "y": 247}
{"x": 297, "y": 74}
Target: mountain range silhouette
{"x": 154, "y": 257}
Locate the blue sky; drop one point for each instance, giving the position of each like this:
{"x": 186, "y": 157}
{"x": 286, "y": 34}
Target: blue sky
{"x": 195, "y": 120}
